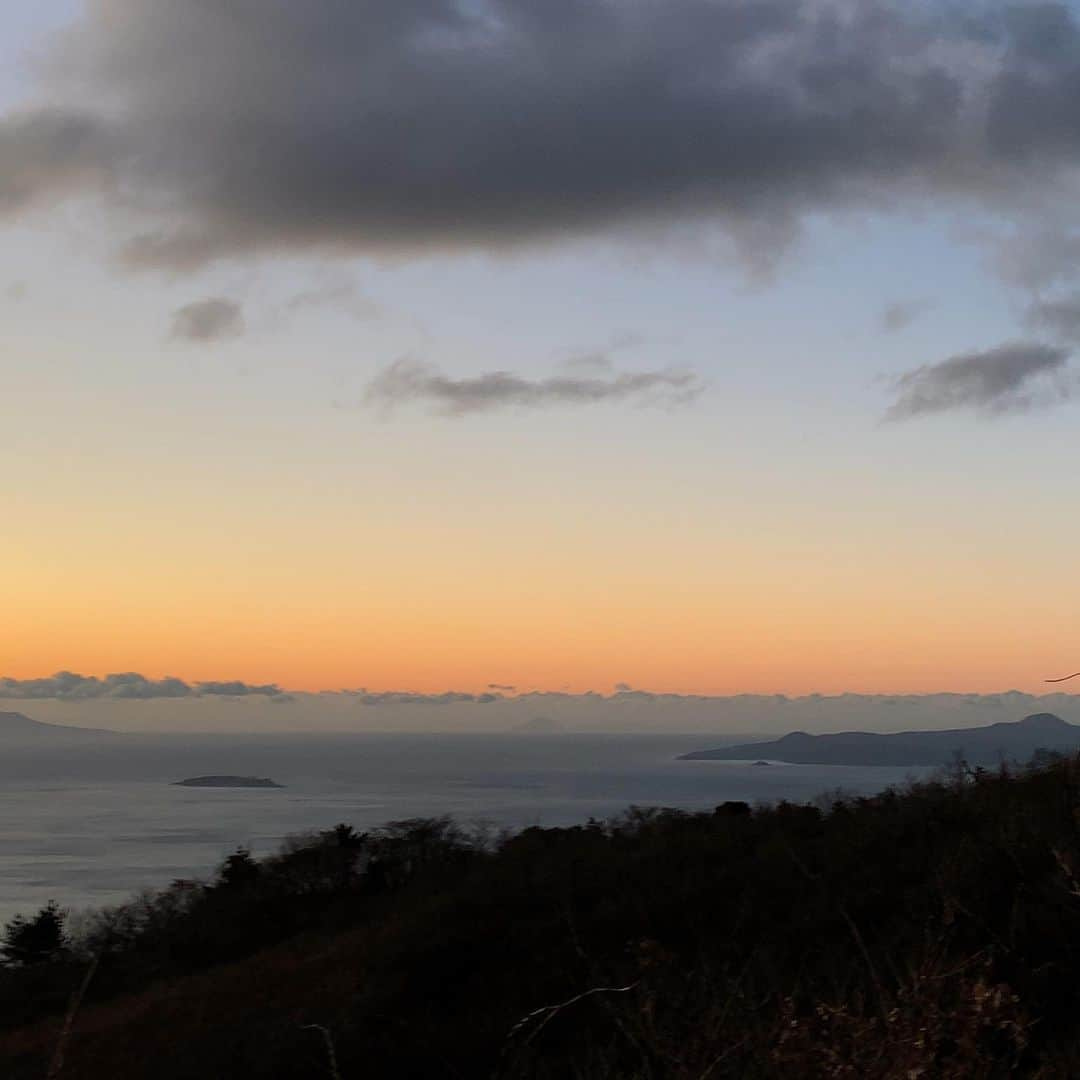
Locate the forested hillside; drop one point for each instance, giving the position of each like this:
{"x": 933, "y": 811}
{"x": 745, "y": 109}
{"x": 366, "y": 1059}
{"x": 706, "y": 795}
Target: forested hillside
{"x": 929, "y": 932}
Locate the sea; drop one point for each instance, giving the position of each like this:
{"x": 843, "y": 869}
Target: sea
{"x": 90, "y": 826}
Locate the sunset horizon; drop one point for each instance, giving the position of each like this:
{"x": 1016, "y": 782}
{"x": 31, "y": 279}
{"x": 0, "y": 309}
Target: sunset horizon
{"x": 624, "y": 393}
{"x": 539, "y": 539}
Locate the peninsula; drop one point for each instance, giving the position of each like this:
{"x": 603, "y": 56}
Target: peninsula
{"x": 1016, "y": 741}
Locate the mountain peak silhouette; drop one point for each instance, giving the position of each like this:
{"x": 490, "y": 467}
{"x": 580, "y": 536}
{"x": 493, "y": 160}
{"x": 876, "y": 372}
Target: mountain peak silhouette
{"x": 1043, "y": 720}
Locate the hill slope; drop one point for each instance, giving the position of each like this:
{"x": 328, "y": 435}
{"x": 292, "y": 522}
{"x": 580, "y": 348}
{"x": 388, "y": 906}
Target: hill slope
{"x": 930, "y": 932}
{"x": 15, "y": 727}
{"x": 980, "y": 745}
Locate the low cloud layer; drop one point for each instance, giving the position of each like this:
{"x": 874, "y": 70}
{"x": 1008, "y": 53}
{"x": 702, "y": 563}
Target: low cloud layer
{"x": 714, "y": 718}
{"x": 408, "y": 697}
{"x": 235, "y": 688}
{"x": 409, "y": 381}
{"x": 273, "y": 126}
{"x": 206, "y": 321}
{"x": 68, "y": 686}
{"x": 1010, "y": 378}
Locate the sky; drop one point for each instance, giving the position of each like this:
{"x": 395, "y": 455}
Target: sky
{"x": 704, "y": 346}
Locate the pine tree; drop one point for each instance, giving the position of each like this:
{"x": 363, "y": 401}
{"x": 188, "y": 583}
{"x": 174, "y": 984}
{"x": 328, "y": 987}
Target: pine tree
{"x": 32, "y": 941}
{"x": 239, "y": 871}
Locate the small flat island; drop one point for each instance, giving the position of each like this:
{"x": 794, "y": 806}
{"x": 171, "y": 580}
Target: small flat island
{"x": 228, "y": 781}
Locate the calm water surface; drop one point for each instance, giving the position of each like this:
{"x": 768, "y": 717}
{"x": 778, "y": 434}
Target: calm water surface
{"x": 91, "y": 826}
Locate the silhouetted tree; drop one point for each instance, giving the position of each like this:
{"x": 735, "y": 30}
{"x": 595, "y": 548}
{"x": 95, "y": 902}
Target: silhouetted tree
{"x": 344, "y": 836}
{"x": 32, "y": 941}
{"x": 239, "y": 871}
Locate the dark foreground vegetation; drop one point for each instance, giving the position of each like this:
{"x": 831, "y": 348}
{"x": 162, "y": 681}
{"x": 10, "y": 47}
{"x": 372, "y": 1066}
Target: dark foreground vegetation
{"x": 932, "y": 932}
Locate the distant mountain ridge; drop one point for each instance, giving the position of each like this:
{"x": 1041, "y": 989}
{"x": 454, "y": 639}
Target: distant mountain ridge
{"x": 15, "y": 727}
{"x": 1016, "y": 740}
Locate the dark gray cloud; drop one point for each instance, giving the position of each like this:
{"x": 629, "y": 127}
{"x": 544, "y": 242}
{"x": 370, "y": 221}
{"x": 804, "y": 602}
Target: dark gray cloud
{"x": 1041, "y": 256}
{"x": 235, "y": 688}
{"x": 206, "y": 321}
{"x": 47, "y": 151}
{"x": 901, "y": 314}
{"x": 502, "y": 688}
{"x": 365, "y": 126}
{"x": 1010, "y": 378}
{"x": 69, "y": 686}
{"x": 1060, "y": 318}
{"x": 412, "y": 381}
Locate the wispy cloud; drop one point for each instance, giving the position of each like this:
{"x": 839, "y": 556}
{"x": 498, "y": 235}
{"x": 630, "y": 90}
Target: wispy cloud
{"x": 335, "y": 292}
{"x": 409, "y": 381}
{"x": 1060, "y": 317}
{"x": 901, "y": 314}
{"x": 1010, "y": 378}
{"x": 206, "y": 321}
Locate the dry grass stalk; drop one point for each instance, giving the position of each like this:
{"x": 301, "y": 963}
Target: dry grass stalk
{"x": 57, "y": 1062}
{"x": 331, "y": 1053}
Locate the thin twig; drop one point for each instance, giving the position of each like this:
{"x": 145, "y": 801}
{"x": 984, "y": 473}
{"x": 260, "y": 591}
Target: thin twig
{"x": 549, "y": 1012}
{"x": 328, "y": 1039}
{"x": 717, "y": 1060}
{"x": 594, "y": 969}
{"x": 865, "y": 952}
{"x": 552, "y": 1011}
{"x": 860, "y": 944}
